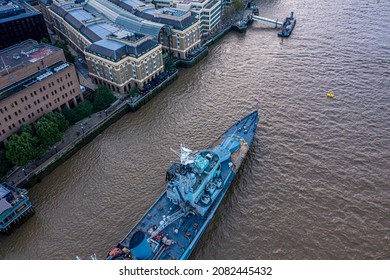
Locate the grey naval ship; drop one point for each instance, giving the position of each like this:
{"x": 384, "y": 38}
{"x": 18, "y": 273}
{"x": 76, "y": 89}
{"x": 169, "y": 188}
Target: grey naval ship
{"x": 195, "y": 187}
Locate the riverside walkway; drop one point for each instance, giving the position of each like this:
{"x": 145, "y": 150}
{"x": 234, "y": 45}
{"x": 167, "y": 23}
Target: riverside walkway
{"x": 72, "y": 136}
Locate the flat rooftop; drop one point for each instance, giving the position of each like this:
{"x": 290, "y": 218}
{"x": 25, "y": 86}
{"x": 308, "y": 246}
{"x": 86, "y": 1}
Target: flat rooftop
{"x": 172, "y": 12}
{"x": 110, "y": 44}
{"x": 23, "y": 54}
{"x": 190, "y": 1}
{"x": 14, "y": 9}
{"x": 134, "y": 3}
{"x": 175, "y": 13}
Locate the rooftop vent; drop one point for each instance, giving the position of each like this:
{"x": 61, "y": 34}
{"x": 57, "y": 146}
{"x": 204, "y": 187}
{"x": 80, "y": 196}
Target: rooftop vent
{"x": 45, "y": 75}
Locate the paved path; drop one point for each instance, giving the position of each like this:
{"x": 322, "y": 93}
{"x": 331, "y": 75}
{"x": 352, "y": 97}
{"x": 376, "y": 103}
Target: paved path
{"x": 72, "y": 136}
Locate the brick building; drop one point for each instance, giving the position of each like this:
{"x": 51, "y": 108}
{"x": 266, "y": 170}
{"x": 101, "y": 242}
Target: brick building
{"x": 34, "y": 79}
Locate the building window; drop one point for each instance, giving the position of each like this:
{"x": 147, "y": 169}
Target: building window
{"x": 134, "y": 70}
{"x": 146, "y": 67}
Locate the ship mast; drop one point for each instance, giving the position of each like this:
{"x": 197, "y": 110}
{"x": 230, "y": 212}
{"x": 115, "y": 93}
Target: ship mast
{"x": 185, "y": 155}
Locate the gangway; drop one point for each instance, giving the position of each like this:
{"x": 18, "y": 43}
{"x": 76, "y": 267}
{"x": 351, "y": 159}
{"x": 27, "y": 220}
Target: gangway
{"x": 276, "y": 23}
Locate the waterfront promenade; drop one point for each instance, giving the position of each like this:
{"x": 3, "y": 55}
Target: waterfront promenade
{"x": 75, "y": 134}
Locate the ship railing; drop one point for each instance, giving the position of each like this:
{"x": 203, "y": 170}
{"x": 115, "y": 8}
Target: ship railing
{"x": 169, "y": 220}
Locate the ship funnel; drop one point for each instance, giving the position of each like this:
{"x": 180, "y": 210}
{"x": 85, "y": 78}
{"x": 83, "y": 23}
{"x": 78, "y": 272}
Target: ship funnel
{"x": 139, "y": 246}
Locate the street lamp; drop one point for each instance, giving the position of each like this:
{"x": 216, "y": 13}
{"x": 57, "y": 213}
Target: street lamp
{"x": 55, "y": 148}
{"x": 24, "y": 171}
{"x": 82, "y": 129}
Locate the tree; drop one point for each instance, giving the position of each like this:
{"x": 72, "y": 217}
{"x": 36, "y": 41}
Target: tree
{"x": 133, "y": 92}
{"x": 44, "y": 40}
{"x": 81, "y": 111}
{"x": 58, "y": 119}
{"x": 102, "y": 98}
{"x": 238, "y": 5}
{"x": 68, "y": 55}
{"x": 47, "y": 131}
{"x": 70, "y": 115}
{"x": 168, "y": 64}
{"x": 19, "y": 149}
{"x": 26, "y": 128}
{"x": 5, "y": 165}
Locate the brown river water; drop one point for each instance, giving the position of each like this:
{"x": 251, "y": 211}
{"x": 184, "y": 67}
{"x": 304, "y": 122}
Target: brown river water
{"x": 316, "y": 184}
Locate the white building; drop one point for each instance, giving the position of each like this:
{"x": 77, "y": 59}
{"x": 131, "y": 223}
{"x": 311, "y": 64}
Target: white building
{"x": 207, "y": 11}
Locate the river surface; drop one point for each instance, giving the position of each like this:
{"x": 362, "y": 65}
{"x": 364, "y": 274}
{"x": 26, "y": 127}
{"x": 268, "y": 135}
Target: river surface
{"x": 316, "y": 184}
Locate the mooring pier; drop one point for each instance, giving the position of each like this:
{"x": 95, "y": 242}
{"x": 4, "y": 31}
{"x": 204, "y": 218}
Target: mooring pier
{"x": 276, "y": 23}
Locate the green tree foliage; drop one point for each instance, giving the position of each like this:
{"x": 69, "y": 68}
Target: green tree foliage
{"x": 21, "y": 148}
{"x": 81, "y": 111}
{"x": 133, "y": 92}
{"x": 238, "y": 5}
{"x": 168, "y": 64}
{"x": 47, "y": 131}
{"x": 5, "y": 165}
{"x": 70, "y": 115}
{"x": 102, "y": 98}
{"x": 44, "y": 40}
{"x": 26, "y": 128}
{"x": 84, "y": 109}
{"x": 68, "y": 55}
{"x": 58, "y": 119}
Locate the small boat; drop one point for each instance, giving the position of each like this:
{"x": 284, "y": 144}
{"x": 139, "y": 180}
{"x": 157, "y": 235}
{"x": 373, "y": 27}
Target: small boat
{"x": 288, "y": 26}
{"x": 330, "y": 95}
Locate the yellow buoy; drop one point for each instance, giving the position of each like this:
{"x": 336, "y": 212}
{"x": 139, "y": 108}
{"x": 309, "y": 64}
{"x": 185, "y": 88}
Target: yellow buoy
{"x": 330, "y": 95}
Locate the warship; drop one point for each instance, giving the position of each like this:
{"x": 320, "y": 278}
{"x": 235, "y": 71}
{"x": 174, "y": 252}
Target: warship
{"x": 194, "y": 189}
